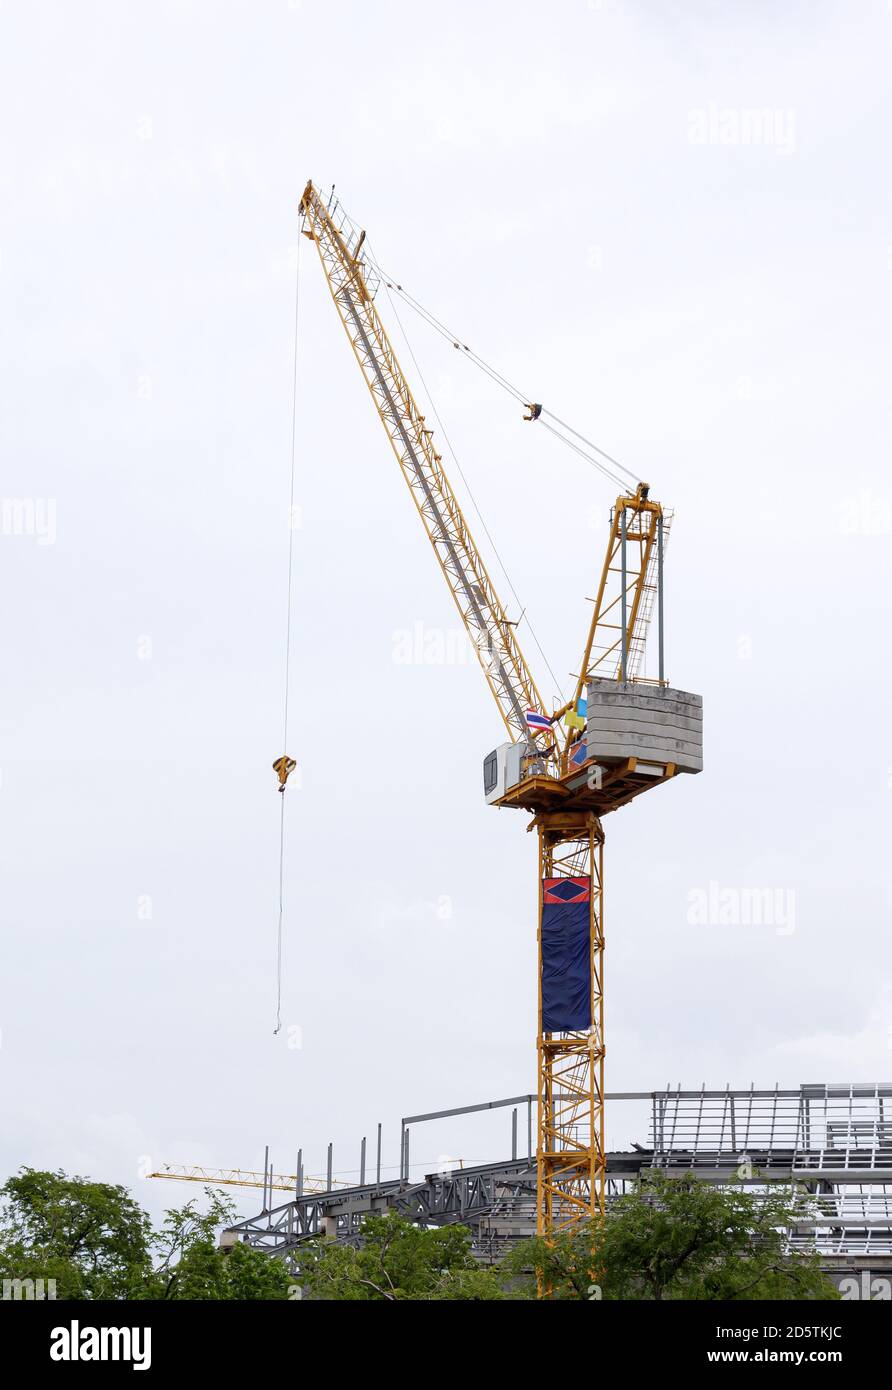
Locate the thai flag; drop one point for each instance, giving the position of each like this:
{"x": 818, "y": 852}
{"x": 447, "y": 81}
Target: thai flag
{"x": 536, "y": 720}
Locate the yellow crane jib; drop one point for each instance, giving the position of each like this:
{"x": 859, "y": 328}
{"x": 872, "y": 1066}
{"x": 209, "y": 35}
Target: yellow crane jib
{"x": 284, "y": 766}
{"x": 352, "y": 281}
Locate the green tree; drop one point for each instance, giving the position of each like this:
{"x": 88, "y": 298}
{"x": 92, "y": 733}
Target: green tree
{"x": 96, "y": 1242}
{"x": 668, "y": 1239}
{"x": 91, "y": 1237}
{"x": 679, "y": 1238}
{"x": 398, "y": 1261}
{"x": 192, "y": 1266}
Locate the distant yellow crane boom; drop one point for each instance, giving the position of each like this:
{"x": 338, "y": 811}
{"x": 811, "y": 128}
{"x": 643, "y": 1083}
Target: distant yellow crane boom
{"x": 241, "y": 1177}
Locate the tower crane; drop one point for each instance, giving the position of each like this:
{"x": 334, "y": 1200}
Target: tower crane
{"x": 242, "y": 1177}
{"x": 623, "y": 734}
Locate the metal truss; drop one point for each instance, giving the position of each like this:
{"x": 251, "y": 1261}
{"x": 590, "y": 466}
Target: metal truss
{"x": 631, "y": 584}
{"x": 463, "y": 1195}
{"x": 827, "y": 1145}
{"x": 571, "y": 1156}
{"x": 347, "y": 274}
{"x": 830, "y": 1133}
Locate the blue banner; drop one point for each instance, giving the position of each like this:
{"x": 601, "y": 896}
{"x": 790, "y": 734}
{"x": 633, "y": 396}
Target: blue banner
{"x": 566, "y": 955}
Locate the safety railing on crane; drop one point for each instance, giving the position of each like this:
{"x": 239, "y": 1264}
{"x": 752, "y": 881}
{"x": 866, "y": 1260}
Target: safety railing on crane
{"x": 354, "y": 237}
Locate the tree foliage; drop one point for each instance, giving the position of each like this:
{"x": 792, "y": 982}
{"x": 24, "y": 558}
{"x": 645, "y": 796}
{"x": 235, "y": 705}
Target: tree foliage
{"x": 96, "y": 1242}
{"x": 191, "y": 1265}
{"x": 91, "y": 1237}
{"x": 398, "y": 1261}
{"x": 679, "y": 1238}
{"x": 676, "y": 1238}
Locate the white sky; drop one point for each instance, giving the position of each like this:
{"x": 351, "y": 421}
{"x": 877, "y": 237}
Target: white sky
{"x": 572, "y": 189}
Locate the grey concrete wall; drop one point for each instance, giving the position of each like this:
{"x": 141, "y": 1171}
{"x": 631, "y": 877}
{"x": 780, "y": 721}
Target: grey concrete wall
{"x": 644, "y": 721}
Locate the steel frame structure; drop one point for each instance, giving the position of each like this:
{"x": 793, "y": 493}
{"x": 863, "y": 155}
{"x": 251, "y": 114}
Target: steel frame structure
{"x": 826, "y": 1133}
{"x": 630, "y": 586}
{"x": 829, "y": 1146}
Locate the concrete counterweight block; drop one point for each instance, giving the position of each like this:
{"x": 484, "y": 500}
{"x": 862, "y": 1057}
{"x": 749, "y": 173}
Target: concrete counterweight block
{"x": 648, "y": 722}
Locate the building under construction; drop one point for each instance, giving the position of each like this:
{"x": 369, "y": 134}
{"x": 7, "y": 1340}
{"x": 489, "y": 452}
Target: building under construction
{"x": 829, "y": 1146}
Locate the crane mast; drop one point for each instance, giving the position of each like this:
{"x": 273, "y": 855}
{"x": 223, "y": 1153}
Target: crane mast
{"x": 641, "y": 736}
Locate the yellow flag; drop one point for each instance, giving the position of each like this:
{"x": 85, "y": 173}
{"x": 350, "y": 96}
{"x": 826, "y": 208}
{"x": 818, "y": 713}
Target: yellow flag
{"x": 574, "y": 720}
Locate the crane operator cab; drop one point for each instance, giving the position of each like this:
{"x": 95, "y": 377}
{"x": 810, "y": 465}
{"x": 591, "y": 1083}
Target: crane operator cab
{"x": 503, "y": 768}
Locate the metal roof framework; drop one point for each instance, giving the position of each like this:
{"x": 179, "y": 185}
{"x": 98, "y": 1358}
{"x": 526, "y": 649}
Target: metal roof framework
{"x": 831, "y": 1145}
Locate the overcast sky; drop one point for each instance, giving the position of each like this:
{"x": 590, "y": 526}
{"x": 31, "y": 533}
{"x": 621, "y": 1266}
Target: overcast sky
{"x": 668, "y": 221}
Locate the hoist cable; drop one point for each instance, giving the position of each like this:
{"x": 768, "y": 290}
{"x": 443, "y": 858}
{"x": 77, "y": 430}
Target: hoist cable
{"x": 278, "y": 1026}
{"x": 597, "y": 448}
{"x": 514, "y": 391}
{"x": 480, "y": 516}
{"x": 456, "y": 342}
{"x": 279, "y": 931}
{"x": 595, "y": 463}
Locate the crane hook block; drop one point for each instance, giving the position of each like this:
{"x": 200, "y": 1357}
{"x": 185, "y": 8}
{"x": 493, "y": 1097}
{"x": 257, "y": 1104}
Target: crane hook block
{"x": 535, "y": 410}
{"x": 284, "y": 766}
